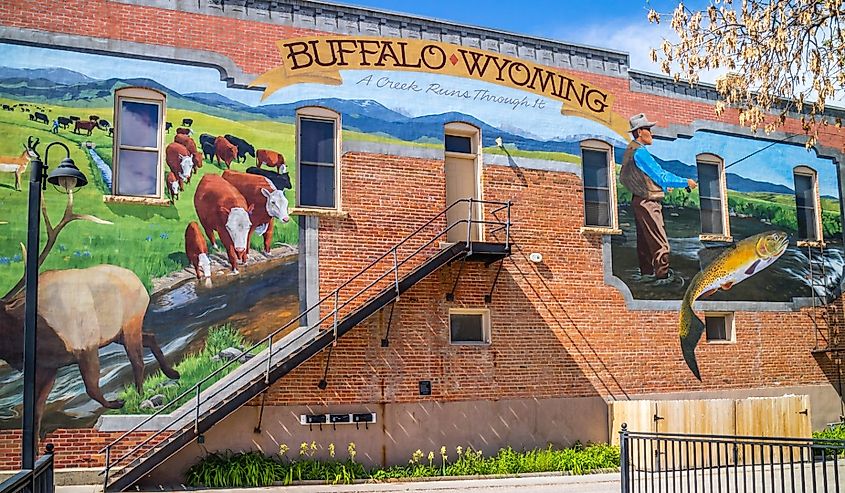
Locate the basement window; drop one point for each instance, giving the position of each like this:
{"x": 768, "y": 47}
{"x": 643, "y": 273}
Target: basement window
{"x": 719, "y": 327}
{"x": 469, "y": 326}
{"x": 806, "y": 204}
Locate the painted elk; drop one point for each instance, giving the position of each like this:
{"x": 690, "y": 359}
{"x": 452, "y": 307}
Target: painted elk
{"x": 79, "y": 311}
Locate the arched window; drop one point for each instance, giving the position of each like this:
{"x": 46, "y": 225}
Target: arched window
{"x": 318, "y": 149}
{"x": 807, "y": 204}
{"x": 599, "y": 182}
{"x": 713, "y": 195}
{"x": 139, "y": 115}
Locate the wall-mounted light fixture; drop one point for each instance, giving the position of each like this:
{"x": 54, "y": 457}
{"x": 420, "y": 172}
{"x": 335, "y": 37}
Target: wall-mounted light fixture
{"x": 535, "y": 257}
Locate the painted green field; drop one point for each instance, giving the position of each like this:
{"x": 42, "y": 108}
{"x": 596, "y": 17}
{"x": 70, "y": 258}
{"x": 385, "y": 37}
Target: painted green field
{"x": 149, "y": 240}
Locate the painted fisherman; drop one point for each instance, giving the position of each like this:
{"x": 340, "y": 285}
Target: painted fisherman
{"x": 648, "y": 182}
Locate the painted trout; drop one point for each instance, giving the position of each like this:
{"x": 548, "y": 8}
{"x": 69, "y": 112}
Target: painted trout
{"x": 735, "y": 265}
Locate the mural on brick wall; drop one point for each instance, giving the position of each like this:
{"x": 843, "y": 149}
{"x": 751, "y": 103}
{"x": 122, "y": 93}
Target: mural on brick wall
{"x": 214, "y": 269}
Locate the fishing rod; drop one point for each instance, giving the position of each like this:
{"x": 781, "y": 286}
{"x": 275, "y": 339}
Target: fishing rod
{"x": 758, "y": 151}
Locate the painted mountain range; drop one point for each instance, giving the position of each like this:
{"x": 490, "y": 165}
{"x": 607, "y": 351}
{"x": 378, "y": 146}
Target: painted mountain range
{"x": 62, "y": 86}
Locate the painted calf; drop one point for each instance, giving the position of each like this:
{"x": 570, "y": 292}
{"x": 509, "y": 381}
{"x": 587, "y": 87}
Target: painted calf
{"x": 243, "y": 146}
{"x": 271, "y": 159}
{"x": 191, "y": 146}
{"x": 180, "y": 162}
{"x": 264, "y": 198}
{"x": 172, "y": 186}
{"x": 197, "y": 250}
{"x": 225, "y": 151}
{"x": 221, "y": 207}
{"x": 184, "y": 131}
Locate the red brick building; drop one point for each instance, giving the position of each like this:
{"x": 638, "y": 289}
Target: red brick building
{"x": 522, "y": 336}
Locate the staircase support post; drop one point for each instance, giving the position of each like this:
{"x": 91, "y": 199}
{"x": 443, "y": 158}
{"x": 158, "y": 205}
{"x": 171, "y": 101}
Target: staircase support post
{"x": 469, "y": 227}
{"x": 269, "y": 360}
{"x": 336, "y": 295}
{"x": 197, "y": 413}
{"x": 396, "y": 272}
{"x": 108, "y": 466}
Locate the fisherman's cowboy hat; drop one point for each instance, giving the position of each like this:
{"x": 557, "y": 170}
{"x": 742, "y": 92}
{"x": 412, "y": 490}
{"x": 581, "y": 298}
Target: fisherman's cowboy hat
{"x": 640, "y": 121}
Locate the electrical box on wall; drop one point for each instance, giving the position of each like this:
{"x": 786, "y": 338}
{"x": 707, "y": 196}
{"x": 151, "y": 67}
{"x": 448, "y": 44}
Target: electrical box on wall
{"x": 337, "y": 419}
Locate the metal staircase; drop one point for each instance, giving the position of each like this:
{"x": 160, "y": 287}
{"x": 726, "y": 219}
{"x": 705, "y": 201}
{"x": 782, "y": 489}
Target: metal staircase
{"x": 149, "y": 443}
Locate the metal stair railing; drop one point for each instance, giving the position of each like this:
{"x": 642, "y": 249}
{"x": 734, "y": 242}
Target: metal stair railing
{"x": 295, "y": 340}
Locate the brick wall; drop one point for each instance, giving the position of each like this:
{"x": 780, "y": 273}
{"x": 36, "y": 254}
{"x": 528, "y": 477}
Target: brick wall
{"x": 558, "y": 330}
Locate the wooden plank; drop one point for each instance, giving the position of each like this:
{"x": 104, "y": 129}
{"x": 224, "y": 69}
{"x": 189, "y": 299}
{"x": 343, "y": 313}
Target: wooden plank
{"x": 700, "y": 417}
{"x": 785, "y": 416}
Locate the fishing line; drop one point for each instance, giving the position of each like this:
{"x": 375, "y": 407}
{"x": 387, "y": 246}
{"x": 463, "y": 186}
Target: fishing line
{"x": 761, "y": 150}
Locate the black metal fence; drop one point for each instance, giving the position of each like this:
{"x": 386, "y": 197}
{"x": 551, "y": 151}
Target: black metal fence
{"x": 669, "y": 462}
{"x": 37, "y": 480}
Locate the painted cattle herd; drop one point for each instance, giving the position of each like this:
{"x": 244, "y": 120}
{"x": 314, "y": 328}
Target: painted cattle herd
{"x": 232, "y": 206}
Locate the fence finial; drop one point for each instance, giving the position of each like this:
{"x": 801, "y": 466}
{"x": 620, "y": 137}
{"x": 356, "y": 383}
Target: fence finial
{"x": 624, "y": 426}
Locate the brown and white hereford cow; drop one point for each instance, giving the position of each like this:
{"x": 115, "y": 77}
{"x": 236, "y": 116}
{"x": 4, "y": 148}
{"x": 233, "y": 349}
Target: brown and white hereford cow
{"x": 183, "y": 131}
{"x": 267, "y": 203}
{"x": 271, "y": 159}
{"x": 180, "y": 161}
{"x": 191, "y": 146}
{"x": 225, "y": 151}
{"x": 221, "y": 208}
{"x": 197, "y": 250}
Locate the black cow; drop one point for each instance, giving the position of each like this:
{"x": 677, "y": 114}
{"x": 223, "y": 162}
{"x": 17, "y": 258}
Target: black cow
{"x": 187, "y": 122}
{"x": 280, "y": 180}
{"x": 167, "y": 126}
{"x": 111, "y": 131}
{"x": 64, "y": 121}
{"x": 7, "y": 107}
{"x": 40, "y": 117}
{"x": 243, "y": 146}
{"x": 104, "y": 124}
{"x": 207, "y": 150}
{"x": 73, "y": 118}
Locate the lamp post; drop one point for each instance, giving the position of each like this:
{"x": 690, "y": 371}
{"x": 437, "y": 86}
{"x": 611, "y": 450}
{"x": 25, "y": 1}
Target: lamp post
{"x": 67, "y": 176}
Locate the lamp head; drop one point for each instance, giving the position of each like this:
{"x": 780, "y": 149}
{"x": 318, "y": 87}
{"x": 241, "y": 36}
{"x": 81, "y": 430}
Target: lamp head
{"x": 67, "y": 176}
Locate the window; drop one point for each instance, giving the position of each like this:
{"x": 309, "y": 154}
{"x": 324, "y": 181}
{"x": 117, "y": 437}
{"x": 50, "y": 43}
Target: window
{"x": 719, "y": 327}
{"x": 712, "y": 195}
{"x": 806, "y": 204}
{"x": 599, "y": 179}
{"x": 318, "y": 149}
{"x": 469, "y": 326}
{"x": 462, "y": 169}
{"x": 138, "y": 142}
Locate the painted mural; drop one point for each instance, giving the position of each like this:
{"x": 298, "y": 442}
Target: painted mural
{"x": 202, "y": 286}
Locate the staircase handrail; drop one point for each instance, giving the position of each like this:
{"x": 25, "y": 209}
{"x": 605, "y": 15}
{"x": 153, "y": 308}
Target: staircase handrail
{"x": 197, "y": 388}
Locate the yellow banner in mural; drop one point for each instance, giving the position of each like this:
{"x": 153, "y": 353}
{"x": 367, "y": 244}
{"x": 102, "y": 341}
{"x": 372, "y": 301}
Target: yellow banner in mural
{"x": 320, "y": 59}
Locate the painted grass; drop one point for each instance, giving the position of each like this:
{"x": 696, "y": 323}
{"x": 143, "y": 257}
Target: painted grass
{"x": 149, "y": 240}
{"x": 193, "y": 368}
{"x": 544, "y": 155}
{"x": 230, "y": 470}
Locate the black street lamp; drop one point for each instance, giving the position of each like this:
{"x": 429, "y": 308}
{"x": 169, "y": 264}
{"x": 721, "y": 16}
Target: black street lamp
{"x": 68, "y": 177}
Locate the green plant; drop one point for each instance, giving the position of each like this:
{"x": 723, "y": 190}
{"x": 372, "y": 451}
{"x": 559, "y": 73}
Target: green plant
{"x": 192, "y": 369}
{"x": 832, "y": 435}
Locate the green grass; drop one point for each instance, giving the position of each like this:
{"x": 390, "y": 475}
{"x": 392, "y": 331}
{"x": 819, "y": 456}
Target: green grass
{"x": 149, "y": 240}
{"x": 230, "y": 470}
{"x": 192, "y": 369}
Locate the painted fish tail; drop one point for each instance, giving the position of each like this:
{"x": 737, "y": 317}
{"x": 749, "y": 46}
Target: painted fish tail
{"x": 691, "y": 328}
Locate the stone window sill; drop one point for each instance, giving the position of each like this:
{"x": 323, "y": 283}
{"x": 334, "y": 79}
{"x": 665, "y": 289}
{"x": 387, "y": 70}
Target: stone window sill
{"x": 811, "y": 243}
{"x": 305, "y": 211}
{"x": 125, "y": 199}
{"x": 714, "y": 237}
{"x": 596, "y": 230}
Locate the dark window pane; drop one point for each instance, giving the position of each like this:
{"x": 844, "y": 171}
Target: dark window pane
{"x": 138, "y": 124}
{"x": 716, "y": 328}
{"x": 456, "y": 143}
{"x": 316, "y": 185}
{"x": 316, "y": 141}
{"x": 597, "y": 214}
{"x": 467, "y": 327}
{"x": 595, "y": 169}
{"x": 710, "y": 193}
{"x": 805, "y": 202}
{"x": 711, "y": 216}
{"x": 708, "y": 180}
{"x": 138, "y": 173}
